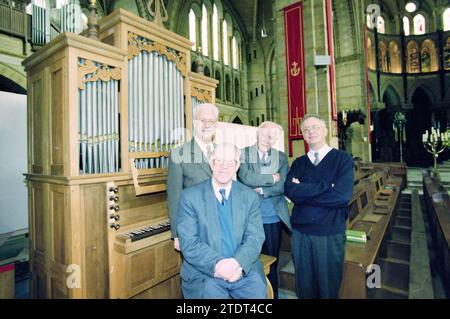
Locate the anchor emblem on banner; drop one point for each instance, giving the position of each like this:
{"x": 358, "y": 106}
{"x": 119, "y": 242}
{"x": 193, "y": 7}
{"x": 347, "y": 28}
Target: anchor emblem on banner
{"x": 295, "y": 70}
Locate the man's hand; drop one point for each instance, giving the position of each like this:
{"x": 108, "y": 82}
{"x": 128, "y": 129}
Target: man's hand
{"x": 228, "y": 269}
{"x": 295, "y": 180}
{"x": 259, "y": 190}
{"x": 176, "y": 244}
{"x": 236, "y": 276}
{"x": 276, "y": 177}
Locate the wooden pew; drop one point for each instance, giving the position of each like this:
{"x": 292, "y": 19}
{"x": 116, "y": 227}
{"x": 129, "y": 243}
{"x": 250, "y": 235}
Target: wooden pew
{"x": 370, "y": 210}
{"x": 397, "y": 172}
{"x": 359, "y": 172}
{"x": 437, "y": 203}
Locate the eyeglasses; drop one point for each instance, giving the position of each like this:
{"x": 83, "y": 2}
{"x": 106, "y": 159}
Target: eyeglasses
{"x": 220, "y": 162}
{"x": 308, "y": 129}
{"x": 207, "y": 122}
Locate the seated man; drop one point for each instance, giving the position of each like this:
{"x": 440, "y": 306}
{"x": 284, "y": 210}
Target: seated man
{"x": 221, "y": 234}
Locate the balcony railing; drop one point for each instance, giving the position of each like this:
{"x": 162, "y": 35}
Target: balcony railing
{"x": 13, "y": 18}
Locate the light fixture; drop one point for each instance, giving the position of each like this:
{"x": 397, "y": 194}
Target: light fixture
{"x": 411, "y": 7}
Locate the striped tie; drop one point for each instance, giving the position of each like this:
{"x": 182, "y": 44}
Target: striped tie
{"x": 222, "y": 192}
{"x": 316, "y": 158}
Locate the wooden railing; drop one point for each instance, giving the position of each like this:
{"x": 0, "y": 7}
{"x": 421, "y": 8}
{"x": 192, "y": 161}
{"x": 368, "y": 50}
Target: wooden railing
{"x": 13, "y": 19}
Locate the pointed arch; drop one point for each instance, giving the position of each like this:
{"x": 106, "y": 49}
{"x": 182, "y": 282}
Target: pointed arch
{"x": 429, "y": 92}
{"x": 395, "y": 57}
{"x": 370, "y": 48}
{"x": 412, "y": 57}
{"x": 419, "y": 24}
{"x": 391, "y": 97}
{"x": 429, "y": 56}
{"x": 446, "y": 19}
{"x": 217, "y": 76}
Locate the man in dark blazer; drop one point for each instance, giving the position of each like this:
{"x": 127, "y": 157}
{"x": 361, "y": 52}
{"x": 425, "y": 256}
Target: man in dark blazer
{"x": 221, "y": 234}
{"x": 189, "y": 163}
{"x": 264, "y": 169}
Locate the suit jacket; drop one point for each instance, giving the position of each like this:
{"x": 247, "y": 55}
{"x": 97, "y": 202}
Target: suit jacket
{"x": 253, "y": 174}
{"x": 187, "y": 167}
{"x": 200, "y": 239}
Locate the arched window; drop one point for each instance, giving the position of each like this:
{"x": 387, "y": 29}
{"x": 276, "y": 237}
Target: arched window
{"x": 425, "y": 59}
{"x": 419, "y": 24}
{"x": 225, "y": 42}
{"x": 205, "y": 31}
{"x": 192, "y": 29}
{"x": 395, "y": 58}
{"x": 413, "y": 65}
{"x": 370, "y": 54}
{"x": 228, "y": 88}
{"x": 215, "y": 28}
{"x": 447, "y": 54}
{"x": 218, "y": 88}
{"x": 406, "y": 25}
{"x": 206, "y": 71}
{"x": 380, "y": 25}
{"x": 234, "y": 52}
{"x": 383, "y": 57}
{"x": 236, "y": 91}
{"x": 446, "y": 19}
{"x": 429, "y": 56}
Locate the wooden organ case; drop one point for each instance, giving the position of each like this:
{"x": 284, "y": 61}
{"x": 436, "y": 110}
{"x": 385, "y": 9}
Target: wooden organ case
{"x": 103, "y": 116}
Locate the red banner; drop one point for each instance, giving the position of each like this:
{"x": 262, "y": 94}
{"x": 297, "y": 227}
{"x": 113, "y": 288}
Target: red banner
{"x": 295, "y": 70}
{"x": 367, "y": 85}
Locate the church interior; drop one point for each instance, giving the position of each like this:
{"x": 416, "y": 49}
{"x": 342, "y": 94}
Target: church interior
{"x": 94, "y": 94}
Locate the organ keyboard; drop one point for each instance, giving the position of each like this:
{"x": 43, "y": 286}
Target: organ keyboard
{"x": 147, "y": 231}
{"x": 141, "y": 236}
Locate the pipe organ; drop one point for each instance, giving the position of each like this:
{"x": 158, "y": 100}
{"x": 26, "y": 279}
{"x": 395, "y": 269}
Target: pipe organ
{"x": 103, "y": 117}
{"x": 40, "y": 22}
{"x": 68, "y": 18}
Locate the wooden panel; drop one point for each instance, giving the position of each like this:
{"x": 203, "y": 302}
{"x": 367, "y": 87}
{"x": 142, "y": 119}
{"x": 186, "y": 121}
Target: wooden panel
{"x": 353, "y": 281}
{"x": 134, "y": 209}
{"x": 40, "y": 282}
{"x": 58, "y": 201}
{"x": 36, "y": 124}
{"x": 58, "y": 290}
{"x": 169, "y": 289}
{"x": 39, "y": 217}
{"x": 168, "y": 260}
{"x": 57, "y": 117}
{"x": 141, "y": 269}
{"x": 96, "y": 254}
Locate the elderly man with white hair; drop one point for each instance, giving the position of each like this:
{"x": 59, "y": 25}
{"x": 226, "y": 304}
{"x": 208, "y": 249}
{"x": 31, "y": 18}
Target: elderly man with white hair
{"x": 189, "y": 163}
{"x": 264, "y": 169}
{"x": 221, "y": 234}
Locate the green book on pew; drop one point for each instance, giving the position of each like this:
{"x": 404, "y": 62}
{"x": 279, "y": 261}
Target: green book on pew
{"x": 356, "y": 236}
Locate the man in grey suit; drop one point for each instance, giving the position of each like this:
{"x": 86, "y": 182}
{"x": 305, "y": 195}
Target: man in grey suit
{"x": 189, "y": 163}
{"x": 221, "y": 234}
{"x": 264, "y": 169}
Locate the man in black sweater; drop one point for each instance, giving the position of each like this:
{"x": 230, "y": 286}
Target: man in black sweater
{"x": 320, "y": 184}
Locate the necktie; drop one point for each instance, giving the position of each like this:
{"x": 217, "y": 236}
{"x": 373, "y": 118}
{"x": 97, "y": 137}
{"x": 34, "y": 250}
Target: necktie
{"x": 316, "y": 158}
{"x": 264, "y": 158}
{"x": 222, "y": 192}
{"x": 208, "y": 152}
